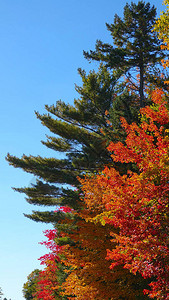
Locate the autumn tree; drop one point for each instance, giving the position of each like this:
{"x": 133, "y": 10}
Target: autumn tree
{"x": 49, "y": 281}
{"x": 89, "y": 274}
{"x": 83, "y": 132}
{"x": 29, "y": 288}
{"x": 136, "y": 203}
{"x": 162, "y": 24}
{"x": 48, "y": 284}
{"x": 78, "y": 127}
{"x": 162, "y": 29}
{"x": 86, "y": 272}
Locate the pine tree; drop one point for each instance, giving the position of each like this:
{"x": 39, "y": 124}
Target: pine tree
{"x": 136, "y": 47}
{"x": 80, "y": 139}
{"x": 82, "y": 133}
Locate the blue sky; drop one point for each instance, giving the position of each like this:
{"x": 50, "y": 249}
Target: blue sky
{"x": 42, "y": 45}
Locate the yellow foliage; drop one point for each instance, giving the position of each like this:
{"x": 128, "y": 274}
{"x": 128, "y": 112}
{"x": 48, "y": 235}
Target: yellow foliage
{"x": 90, "y": 276}
{"x": 162, "y": 25}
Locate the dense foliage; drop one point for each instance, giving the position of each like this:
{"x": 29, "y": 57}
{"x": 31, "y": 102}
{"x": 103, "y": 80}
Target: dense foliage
{"x": 136, "y": 203}
{"x": 82, "y": 130}
{"x": 29, "y": 288}
{"x": 110, "y": 236}
{"x": 162, "y": 24}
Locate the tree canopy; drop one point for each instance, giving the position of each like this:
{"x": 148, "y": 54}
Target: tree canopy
{"x": 136, "y": 47}
{"x": 115, "y": 134}
{"x": 136, "y": 203}
{"x": 82, "y": 130}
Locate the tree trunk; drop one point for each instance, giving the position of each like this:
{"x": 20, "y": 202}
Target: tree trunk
{"x": 141, "y": 88}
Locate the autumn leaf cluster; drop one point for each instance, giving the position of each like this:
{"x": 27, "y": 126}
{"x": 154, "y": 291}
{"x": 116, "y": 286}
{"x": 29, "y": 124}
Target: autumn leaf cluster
{"x": 136, "y": 203}
{"x": 121, "y": 236}
{"x": 111, "y": 236}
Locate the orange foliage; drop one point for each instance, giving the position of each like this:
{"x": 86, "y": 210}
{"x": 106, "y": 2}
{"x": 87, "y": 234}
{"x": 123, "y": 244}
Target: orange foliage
{"x": 90, "y": 276}
{"x": 136, "y": 203}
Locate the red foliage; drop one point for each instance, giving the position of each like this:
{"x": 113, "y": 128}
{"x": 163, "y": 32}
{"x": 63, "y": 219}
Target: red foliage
{"x": 136, "y": 203}
{"x": 47, "y": 283}
{"x": 48, "y": 287}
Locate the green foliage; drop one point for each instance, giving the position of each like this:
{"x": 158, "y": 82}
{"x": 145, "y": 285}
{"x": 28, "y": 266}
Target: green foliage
{"x": 83, "y": 130}
{"x": 29, "y": 288}
{"x": 136, "y": 47}
{"x": 80, "y": 139}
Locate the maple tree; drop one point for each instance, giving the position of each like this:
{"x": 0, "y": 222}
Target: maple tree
{"x": 89, "y": 275}
{"x": 76, "y": 127}
{"x": 85, "y": 270}
{"x": 47, "y": 279}
{"x": 79, "y": 269}
{"x": 48, "y": 285}
{"x": 135, "y": 203}
{"x": 78, "y": 250}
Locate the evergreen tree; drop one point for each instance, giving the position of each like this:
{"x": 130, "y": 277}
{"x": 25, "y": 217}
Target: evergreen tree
{"x": 82, "y": 133}
{"x": 83, "y": 129}
{"x": 136, "y": 47}
{"x": 80, "y": 139}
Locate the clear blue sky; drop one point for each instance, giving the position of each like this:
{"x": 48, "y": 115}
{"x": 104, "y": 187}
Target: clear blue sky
{"x": 41, "y": 48}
